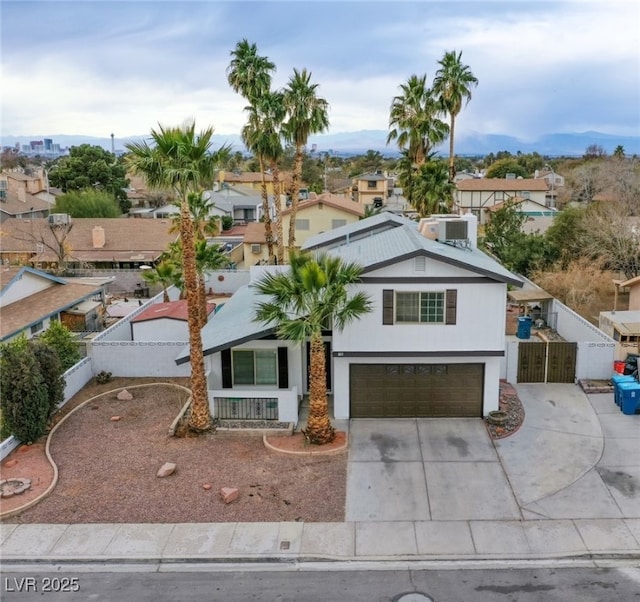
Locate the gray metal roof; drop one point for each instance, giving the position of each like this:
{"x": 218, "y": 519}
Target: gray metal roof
{"x": 233, "y": 324}
{"x": 366, "y": 227}
{"x": 394, "y": 245}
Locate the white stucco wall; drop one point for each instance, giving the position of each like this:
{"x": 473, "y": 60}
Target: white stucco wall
{"x": 128, "y": 358}
{"x": 160, "y": 330}
{"x": 27, "y": 284}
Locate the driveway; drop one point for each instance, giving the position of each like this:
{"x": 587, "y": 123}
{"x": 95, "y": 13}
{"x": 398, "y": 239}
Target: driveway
{"x": 575, "y": 457}
{"x": 425, "y": 469}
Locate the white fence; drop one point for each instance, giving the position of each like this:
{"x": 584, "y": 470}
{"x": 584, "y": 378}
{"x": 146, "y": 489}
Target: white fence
{"x": 288, "y": 401}
{"x": 76, "y": 377}
{"x": 226, "y": 281}
{"x": 139, "y": 358}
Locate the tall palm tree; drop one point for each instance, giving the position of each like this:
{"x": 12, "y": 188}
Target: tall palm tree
{"x": 432, "y": 190}
{"x": 181, "y": 159}
{"x": 313, "y": 294}
{"x": 208, "y": 257}
{"x": 452, "y": 84}
{"x": 414, "y": 120}
{"x": 249, "y": 74}
{"x": 307, "y": 114}
{"x": 204, "y": 222}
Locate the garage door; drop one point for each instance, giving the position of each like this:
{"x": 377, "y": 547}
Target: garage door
{"x": 416, "y": 390}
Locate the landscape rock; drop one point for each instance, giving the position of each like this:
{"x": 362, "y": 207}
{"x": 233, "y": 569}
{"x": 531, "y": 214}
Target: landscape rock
{"x": 207, "y": 486}
{"x": 229, "y": 494}
{"x": 124, "y": 395}
{"x": 168, "y": 468}
{"x": 10, "y": 463}
{"x": 116, "y": 418}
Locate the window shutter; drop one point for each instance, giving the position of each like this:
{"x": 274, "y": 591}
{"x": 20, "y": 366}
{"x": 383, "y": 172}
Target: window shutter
{"x": 283, "y": 368}
{"x": 225, "y": 359}
{"x": 451, "y": 305}
{"x": 387, "y": 306}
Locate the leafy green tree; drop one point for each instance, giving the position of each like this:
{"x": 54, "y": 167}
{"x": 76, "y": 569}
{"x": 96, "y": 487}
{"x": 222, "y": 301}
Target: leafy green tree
{"x": 566, "y": 235}
{"x": 227, "y": 222}
{"x": 618, "y": 152}
{"x": 60, "y": 338}
{"x": 414, "y": 120}
{"x": 87, "y": 203}
{"x": 501, "y": 167}
{"x": 452, "y": 84}
{"x": 302, "y": 302}
{"x": 307, "y": 114}
{"x": 181, "y": 159}
{"x": 25, "y": 404}
{"x": 91, "y": 167}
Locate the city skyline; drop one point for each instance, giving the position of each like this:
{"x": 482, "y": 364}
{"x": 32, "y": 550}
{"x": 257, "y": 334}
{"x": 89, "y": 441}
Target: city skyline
{"x": 542, "y": 67}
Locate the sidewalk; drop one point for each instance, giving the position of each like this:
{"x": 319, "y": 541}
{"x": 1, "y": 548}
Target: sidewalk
{"x": 573, "y": 467}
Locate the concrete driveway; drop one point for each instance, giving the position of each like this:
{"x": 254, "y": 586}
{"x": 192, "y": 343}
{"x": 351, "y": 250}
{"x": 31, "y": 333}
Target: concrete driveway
{"x": 425, "y": 469}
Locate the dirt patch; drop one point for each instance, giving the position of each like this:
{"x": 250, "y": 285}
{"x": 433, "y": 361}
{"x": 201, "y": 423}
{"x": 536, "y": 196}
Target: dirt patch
{"x": 107, "y": 469}
{"x": 511, "y": 405}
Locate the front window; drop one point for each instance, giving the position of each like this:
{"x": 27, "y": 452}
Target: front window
{"x": 255, "y": 367}
{"x": 37, "y": 327}
{"x": 423, "y": 308}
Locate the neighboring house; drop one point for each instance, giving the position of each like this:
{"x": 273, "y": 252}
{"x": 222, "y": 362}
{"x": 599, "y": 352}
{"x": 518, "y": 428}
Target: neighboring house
{"x": 432, "y": 346}
{"x": 99, "y": 242}
{"x": 555, "y": 183}
{"x": 21, "y": 205}
{"x": 372, "y": 188}
{"x": 475, "y": 195}
{"x": 255, "y": 244}
{"x": 163, "y": 322}
{"x": 321, "y": 213}
{"x": 30, "y": 299}
{"x": 253, "y": 180}
{"x": 633, "y": 285}
{"x": 539, "y": 217}
{"x": 624, "y": 328}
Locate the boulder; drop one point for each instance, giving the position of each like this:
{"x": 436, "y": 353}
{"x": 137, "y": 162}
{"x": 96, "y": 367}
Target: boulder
{"x": 168, "y": 468}
{"x": 229, "y": 494}
{"x": 124, "y": 395}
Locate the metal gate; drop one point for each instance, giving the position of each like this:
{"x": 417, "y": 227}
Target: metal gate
{"x": 552, "y": 362}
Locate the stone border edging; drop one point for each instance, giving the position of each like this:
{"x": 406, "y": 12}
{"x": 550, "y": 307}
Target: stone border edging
{"x": 329, "y": 452}
{"x": 54, "y": 481}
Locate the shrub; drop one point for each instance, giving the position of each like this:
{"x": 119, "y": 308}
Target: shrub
{"x": 227, "y": 222}
{"x": 103, "y": 377}
{"x": 58, "y": 336}
{"x": 25, "y": 403}
{"x": 52, "y": 373}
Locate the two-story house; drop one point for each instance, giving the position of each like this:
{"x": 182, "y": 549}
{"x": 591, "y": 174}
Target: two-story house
{"x": 476, "y": 195}
{"x": 372, "y": 188}
{"x": 432, "y": 346}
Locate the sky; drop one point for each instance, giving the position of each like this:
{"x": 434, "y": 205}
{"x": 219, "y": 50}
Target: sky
{"x": 101, "y": 67}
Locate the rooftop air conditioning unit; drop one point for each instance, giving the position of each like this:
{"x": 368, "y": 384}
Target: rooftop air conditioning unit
{"x": 453, "y": 230}
{"x": 256, "y": 249}
{"x": 59, "y": 219}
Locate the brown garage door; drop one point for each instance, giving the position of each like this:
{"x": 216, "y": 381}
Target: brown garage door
{"x": 416, "y": 390}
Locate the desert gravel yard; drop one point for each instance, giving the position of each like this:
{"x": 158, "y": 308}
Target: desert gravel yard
{"x": 107, "y": 470}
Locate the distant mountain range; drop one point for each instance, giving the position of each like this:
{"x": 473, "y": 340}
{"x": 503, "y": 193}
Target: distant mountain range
{"x": 349, "y": 143}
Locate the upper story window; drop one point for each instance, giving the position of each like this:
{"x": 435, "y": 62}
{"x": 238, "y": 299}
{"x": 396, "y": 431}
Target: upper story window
{"x": 525, "y": 194}
{"x": 499, "y": 196}
{"x": 372, "y": 184}
{"x": 302, "y": 224}
{"x": 425, "y": 308}
{"x": 338, "y": 223}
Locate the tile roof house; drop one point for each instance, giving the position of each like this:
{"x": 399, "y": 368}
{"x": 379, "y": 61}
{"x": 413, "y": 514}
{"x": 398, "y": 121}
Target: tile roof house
{"x": 539, "y": 217}
{"x": 30, "y": 299}
{"x": 101, "y": 242}
{"x": 372, "y": 188}
{"x": 477, "y": 194}
{"x": 432, "y": 346}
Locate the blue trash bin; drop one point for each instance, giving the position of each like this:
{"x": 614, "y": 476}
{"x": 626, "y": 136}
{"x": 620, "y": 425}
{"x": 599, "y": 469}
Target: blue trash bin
{"x": 618, "y": 379}
{"x": 524, "y": 327}
{"x": 630, "y": 397}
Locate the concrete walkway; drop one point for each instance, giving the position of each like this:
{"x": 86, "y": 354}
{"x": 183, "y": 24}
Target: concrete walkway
{"x": 567, "y": 484}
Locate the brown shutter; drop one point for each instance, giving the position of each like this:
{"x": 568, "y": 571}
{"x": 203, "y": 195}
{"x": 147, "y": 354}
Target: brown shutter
{"x": 283, "y": 368}
{"x": 225, "y": 360}
{"x": 387, "y": 306}
{"x": 451, "y": 304}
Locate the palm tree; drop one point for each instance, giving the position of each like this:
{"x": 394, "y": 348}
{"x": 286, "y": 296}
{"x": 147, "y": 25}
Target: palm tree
{"x": 164, "y": 274}
{"x": 414, "y": 120}
{"x": 204, "y": 223}
{"x": 303, "y": 301}
{"x": 249, "y": 74}
{"x": 181, "y": 159}
{"x": 307, "y": 114}
{"x": 208, "y": 257}
{"x": 452, "y": 84}
{"x": 432, "y": 190}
